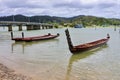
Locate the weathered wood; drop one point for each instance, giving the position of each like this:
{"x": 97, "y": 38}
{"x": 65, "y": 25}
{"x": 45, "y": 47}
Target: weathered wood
{"x": 69, "y": 39}
{"x": 86, "y": 46}
{"x": 36, "y": 38}
{"x": 22, "y": 35}
{"x": 11, "y": 35}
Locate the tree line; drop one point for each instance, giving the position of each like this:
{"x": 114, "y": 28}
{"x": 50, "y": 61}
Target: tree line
{"x": 71, "y": 21}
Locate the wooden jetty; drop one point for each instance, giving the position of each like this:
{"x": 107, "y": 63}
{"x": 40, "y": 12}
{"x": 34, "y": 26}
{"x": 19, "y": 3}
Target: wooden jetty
{"x": 29, "y": 25}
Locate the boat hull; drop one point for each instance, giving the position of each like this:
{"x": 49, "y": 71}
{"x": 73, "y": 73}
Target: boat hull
{"x": 76, "y": 50}
{"x": 38, "y": 38}
{"x": 86, "y": 46}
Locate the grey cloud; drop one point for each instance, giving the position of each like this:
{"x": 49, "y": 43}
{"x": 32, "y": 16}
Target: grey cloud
{"x": 106, "y": 5}
{"x": 20, "y": 4}
{"x": 72, "y": 5}
{"x": 63, "y": 8}
{"x": 84, "y": 6}
{"x": 13, "y": 3}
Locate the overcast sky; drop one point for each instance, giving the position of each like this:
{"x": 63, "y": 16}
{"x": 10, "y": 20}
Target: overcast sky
{"x": 61, "y": 8}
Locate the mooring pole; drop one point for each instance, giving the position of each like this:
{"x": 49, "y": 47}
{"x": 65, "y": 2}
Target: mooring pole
{"x": 22, "y": 35}
{"x": 11, "y": 35}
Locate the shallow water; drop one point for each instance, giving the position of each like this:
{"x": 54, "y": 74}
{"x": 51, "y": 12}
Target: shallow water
{"x": 52, "y": 60}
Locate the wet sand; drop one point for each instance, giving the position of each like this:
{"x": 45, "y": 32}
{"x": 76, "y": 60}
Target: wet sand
{"x": 8, "y": 74}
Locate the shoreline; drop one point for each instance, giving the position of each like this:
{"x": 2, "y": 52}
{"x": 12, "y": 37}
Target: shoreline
{"x": 8, "y": 74}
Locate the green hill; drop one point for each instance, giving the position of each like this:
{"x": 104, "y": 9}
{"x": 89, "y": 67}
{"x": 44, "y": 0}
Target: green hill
{"x": 81, "y": 19}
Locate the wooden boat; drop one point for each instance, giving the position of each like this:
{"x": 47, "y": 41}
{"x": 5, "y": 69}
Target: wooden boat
{"x": 36, "y": 38}
{"x": 86, "y": 46}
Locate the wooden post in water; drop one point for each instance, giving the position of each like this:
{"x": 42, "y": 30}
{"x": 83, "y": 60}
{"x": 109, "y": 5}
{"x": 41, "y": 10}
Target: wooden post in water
{"x": 11, "y": 35}
{"x": 22, "y": 35}
{"x": 108, "y": 36}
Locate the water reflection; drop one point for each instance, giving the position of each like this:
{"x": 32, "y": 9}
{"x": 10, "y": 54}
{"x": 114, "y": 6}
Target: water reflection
{"x": 119, "y": 31}
{"x": 24, "y": 44}
{"x": 77, "y": 57}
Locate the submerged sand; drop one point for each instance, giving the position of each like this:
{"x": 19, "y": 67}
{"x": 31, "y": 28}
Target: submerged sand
{"x": 8, "y": 74}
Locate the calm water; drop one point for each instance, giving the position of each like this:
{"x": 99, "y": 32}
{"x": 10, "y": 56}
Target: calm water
{"x": 52, "y": 60}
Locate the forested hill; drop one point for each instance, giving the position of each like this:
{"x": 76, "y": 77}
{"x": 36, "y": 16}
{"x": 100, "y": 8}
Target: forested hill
{"x": 81, "y": 19}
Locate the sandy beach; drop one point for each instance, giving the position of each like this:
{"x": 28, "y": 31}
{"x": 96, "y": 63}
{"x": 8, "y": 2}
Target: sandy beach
{"x": 8, "y": 74}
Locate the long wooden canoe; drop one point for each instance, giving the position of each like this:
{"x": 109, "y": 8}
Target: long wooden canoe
{"x": 86, "y": 46}
{"x": 35, "y": 38}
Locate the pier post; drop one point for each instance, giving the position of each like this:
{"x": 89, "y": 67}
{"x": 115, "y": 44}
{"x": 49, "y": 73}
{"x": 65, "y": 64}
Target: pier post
{"x": 50, "y": 27}
{"x": 40, "y": 26}
{"x": 9, "y": 27}
{"x": 29, "y": 27}
{"x": 43, "y": 27}
{"x": 47, "y": 27}
{"x": 20, "y": 27}
{"x": 36, "y": 27}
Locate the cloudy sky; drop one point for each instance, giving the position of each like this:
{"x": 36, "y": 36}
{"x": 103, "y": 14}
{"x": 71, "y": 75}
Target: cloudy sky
{"x": 61, "y": 8}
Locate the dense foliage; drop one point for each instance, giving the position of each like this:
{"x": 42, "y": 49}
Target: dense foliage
{"x": 84, "y": 20}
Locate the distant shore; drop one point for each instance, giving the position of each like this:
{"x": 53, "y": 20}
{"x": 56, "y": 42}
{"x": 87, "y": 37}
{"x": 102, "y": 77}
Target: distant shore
{"x": 8, "y": 74}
